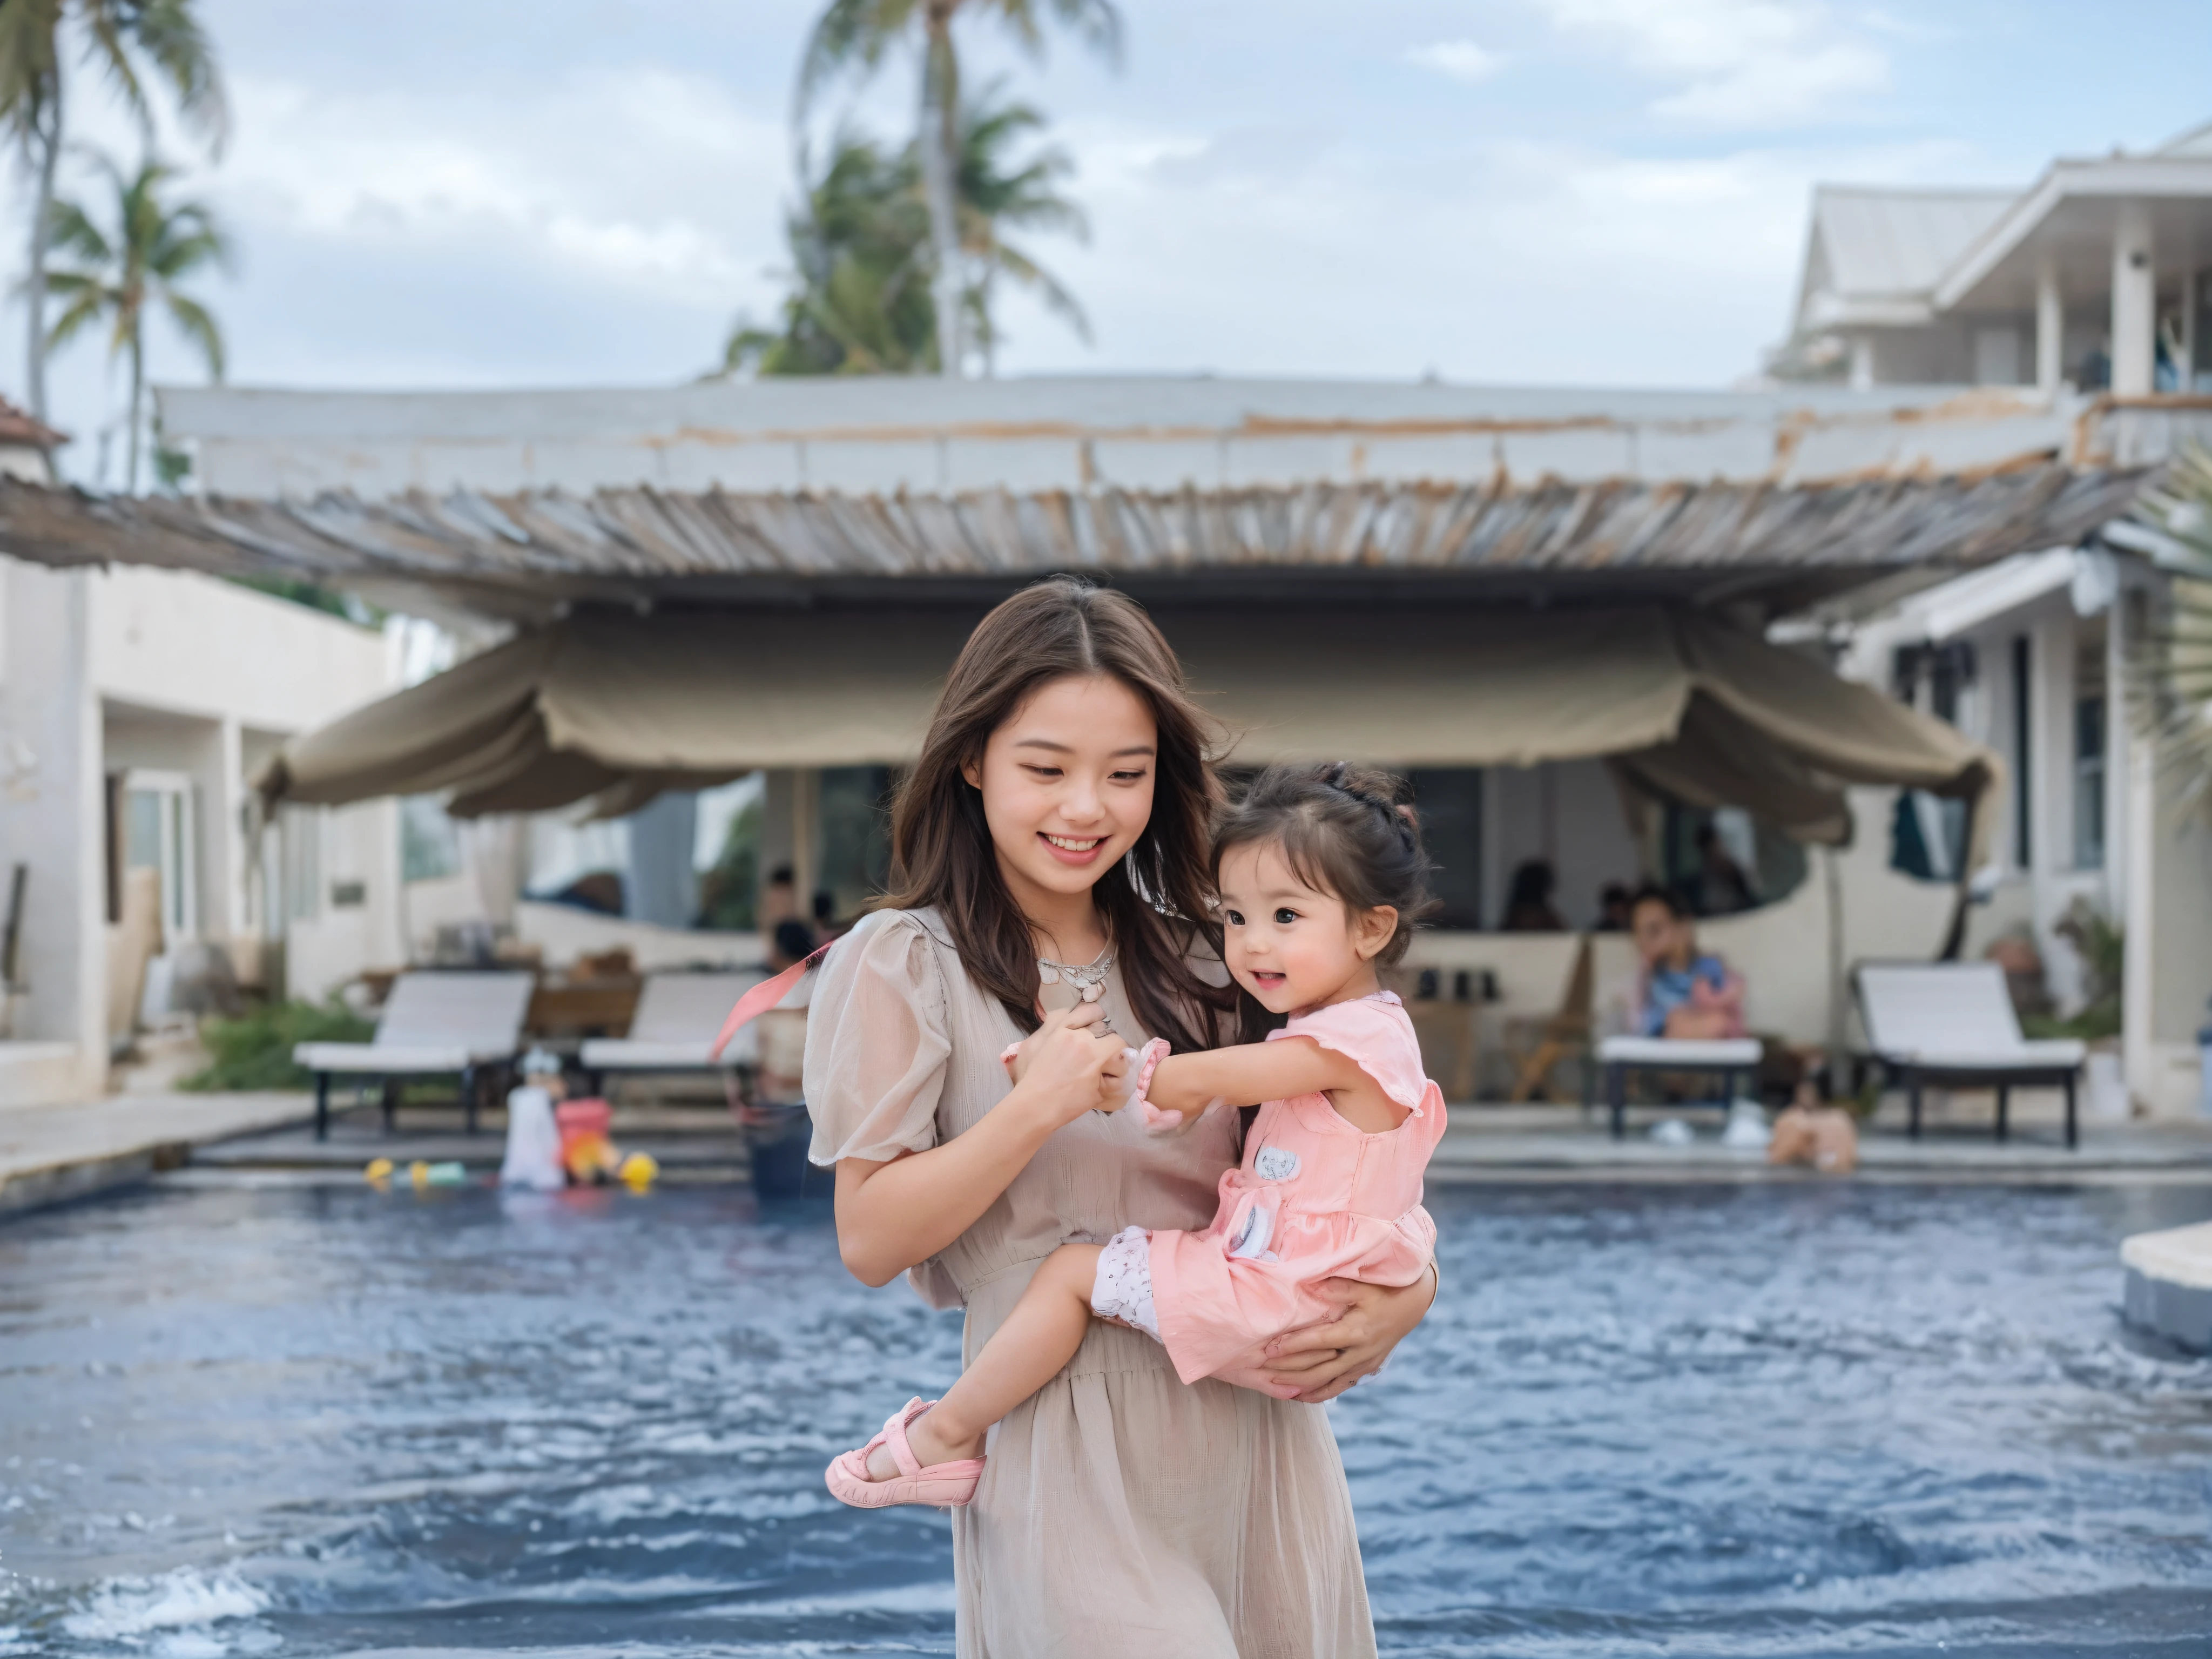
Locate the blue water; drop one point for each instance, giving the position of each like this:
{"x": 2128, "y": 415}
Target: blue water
{"x": 1796, "y": 1420}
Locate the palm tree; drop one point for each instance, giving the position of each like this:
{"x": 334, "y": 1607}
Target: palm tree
{"x": 858, "y": 303}
{"x": 120, "y": 274}
{"x": 860, "y": 252}
{"x": 120, "y": 37}
{"x": 2174, "y": 669}
{"x": 997, "y": 194}
{"x": 856, "y": 35}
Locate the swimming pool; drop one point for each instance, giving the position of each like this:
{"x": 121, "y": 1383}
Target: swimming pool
{"x": 1759, "y": 1420}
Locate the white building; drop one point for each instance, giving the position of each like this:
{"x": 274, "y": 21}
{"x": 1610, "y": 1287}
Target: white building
{"x": 135, "y": 706}
{"x": 2098, "y": 274}
{"x": 2093, "y": 286}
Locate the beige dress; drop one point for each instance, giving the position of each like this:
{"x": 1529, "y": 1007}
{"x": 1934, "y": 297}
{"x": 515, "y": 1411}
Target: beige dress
{"x": 1122, "y": 1511}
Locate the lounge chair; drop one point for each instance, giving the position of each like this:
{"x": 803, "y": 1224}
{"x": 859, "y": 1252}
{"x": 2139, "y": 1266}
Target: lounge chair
{"x": 434, "y": 1025}
{"x": 1952, "y": 1024}
{"x": 678, "y": 1019}
{"x": 1729, "y": 1057}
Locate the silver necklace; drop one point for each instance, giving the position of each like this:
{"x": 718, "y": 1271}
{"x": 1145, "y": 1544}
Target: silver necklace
{"x": 1088, "y": 982}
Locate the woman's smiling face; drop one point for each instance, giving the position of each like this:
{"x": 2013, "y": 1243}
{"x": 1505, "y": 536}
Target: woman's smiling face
{"x": 1067, "y": 782}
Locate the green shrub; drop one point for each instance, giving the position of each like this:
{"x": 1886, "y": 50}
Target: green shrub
{"x": 255, "y": 1051}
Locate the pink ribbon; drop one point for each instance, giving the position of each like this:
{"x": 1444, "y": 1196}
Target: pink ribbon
{"x": 762, "y": 997}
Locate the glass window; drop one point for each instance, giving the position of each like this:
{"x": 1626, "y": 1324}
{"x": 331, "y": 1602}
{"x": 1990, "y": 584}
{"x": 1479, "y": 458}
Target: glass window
{"x": 429, "y": 846}
{"x": 856, "y": 837}
{"x": 1724, "y": 860}
{"x": 2090, "y": 752}
{"x": 1450, "y": 801}
{"x": 726, "y": 854}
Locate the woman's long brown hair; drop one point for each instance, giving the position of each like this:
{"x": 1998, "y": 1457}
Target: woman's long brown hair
{"x": 1154, "y": 900}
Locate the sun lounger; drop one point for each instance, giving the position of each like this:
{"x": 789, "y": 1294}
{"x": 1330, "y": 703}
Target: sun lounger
{"x": 1952, "y": 1024}
{"x": 433, "y": 1025}
{"x": 678, "y": 1017}
{"x": 1617, "y": 1056}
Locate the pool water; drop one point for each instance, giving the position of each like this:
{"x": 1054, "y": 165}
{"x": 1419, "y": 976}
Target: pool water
{"x": 1759, "y": 1421}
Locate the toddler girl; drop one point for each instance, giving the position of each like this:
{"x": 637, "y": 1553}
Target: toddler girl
{"x": 1320, "y": 877}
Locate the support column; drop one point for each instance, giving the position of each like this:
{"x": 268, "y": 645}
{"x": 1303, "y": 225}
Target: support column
{"x": 53, "y": 814}
{"x": 2135, "y": 302}
{"x": 218, "y": 778}
{"x": 1861, "y": 362}
{"x": 791, "y": 804}
{"x": 2049, "y": 330}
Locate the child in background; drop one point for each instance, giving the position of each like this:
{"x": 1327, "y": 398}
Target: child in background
{"x": 1679, "y": 992}
{"x": 1320, "y": 879}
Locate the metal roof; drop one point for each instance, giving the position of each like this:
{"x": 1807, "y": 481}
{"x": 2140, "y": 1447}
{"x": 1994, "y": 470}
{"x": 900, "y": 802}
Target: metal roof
{"x": 1887, "y": 247}
{"x": 883, "y": 434}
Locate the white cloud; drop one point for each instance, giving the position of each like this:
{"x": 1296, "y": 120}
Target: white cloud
{"x": 1461, "y": 60}
{"x": 1734, "y": 62}
{"x": 627, "y": 174}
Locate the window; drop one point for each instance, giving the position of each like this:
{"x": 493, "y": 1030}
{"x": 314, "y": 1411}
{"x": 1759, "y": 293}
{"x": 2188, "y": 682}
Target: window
{"x": 2089, "y": 751}
{"x": 429, "y": 848}
{"x": 303, "y": 862}
{"x": 1724, "y": 860}
{"x": 1935, "y": 678}
{"x": 160, "y": 833}
{"x": 856, "y": 836}
{"x": 725, "y": 851}
{"x": 1450, "y": 802}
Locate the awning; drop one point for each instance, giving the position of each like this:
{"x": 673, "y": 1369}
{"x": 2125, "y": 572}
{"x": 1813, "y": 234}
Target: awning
{"x": 621, "y": 706}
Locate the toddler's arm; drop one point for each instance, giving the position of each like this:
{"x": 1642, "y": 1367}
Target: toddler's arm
{"x": 1250, "y": 1072}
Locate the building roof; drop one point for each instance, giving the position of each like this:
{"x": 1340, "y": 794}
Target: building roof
{"x": 1884, "y": 258}
{"x": 1142, "y": 433}
{"x": 531, "y": 555}
{"x": 18, "y": 427}
{"x": 1879, "y": 250}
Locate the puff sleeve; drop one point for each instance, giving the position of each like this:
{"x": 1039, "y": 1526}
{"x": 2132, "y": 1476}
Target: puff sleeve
{"x": 876, "y": 1044}
{"x": 1377, "y": 1034}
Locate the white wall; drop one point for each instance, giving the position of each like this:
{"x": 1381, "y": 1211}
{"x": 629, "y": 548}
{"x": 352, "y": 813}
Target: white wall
{"x": 51, "y": 815}
{"x": 189, "y": 644}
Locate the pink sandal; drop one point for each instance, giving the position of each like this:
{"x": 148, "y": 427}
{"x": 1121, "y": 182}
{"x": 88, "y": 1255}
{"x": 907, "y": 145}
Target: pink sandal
{"x": 943, "y": 1486}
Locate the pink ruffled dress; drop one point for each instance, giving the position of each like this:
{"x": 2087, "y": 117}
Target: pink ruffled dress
{"x": 1315, "y": 1198}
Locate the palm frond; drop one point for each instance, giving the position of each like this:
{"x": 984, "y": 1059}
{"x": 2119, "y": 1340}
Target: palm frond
{"x": 850, "y": 37}
{"x": 196, "y": 323}
{"x": 2170, "y": 667}
{"x": 84, "y": 304}
{"x": 169, "y": 33}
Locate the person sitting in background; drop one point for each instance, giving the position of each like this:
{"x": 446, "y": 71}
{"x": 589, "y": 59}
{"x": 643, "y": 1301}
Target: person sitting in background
{"x": 1528, "y": 902}
{"x": 1678, "y": 993}
{"x": 774, "y": 1116}
{"x": 778, "y": 900}
{"x": 1612, "y": 909}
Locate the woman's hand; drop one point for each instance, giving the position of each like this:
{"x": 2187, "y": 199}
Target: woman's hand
{"x": 1322, "y": 1361}
{"x": 1082, "y": 1015}
{"x": 1071, "y": 1064}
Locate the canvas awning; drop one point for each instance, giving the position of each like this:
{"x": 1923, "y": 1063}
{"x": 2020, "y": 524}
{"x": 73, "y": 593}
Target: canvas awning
{"x": 622, "y": 707}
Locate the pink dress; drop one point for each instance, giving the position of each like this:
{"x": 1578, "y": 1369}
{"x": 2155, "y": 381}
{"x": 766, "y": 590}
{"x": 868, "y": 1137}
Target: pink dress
{"x": 1315, "y": 1198}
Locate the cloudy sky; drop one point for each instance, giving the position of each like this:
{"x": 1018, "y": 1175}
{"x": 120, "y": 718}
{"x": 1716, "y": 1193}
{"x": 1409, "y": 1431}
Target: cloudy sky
{"x": 497, "y": 193}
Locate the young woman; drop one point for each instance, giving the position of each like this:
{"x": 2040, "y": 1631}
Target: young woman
{"x": 1050, "y": 845}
